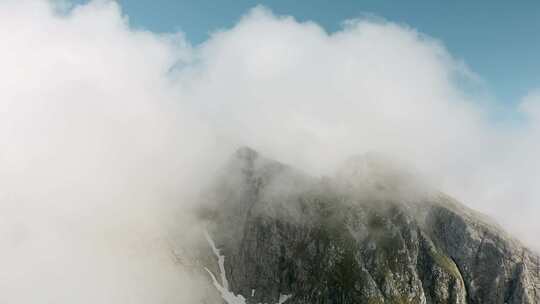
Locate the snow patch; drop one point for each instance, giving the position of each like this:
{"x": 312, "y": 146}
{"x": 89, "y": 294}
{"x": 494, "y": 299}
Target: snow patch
{"x": 283, "y": 298}
{"x": 221, "y": 260}
{"x": 228, "y": 296}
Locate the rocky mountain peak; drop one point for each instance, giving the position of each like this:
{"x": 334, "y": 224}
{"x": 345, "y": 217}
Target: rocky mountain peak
{"x": 285, "y": 237}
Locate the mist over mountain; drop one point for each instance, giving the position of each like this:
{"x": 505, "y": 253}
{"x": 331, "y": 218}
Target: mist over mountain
{"x": 366, "y": 235}
{"x": 114, "y": 138}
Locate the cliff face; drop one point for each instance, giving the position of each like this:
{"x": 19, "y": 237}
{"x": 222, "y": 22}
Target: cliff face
{"x": 365, "y": 236}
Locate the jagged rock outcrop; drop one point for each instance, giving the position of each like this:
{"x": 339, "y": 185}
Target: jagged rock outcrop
{"x": 369, "y": 235}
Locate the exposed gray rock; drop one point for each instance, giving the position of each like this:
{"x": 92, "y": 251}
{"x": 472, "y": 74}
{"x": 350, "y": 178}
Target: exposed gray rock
{"x": 369, "y": 235}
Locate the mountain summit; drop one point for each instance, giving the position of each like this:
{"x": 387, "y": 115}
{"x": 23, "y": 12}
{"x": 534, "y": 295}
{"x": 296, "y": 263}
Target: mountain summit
{"x": 277, "y": 235}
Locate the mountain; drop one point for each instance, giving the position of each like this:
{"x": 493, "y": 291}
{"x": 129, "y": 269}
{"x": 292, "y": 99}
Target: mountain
{"x": 370, "y": 234}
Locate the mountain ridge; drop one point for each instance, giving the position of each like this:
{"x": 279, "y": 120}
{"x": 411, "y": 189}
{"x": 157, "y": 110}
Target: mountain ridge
{"x": 282, "y": 232}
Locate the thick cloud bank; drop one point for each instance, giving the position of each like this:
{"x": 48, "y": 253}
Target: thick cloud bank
{"x": 107, "y": 133}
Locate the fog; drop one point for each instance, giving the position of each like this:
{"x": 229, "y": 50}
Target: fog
{"x": 108, "y": 133}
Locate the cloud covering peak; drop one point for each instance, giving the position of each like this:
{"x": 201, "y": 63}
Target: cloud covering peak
{"x": 108, "y": 131}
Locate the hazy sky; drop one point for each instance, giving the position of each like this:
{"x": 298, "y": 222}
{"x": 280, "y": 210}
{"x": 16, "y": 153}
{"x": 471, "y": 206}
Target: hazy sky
{"x": 498, "y": 39}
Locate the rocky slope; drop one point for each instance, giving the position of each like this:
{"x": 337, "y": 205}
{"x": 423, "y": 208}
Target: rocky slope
{"x": 367, "y": 235}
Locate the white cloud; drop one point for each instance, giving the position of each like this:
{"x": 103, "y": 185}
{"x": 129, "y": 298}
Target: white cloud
{"x": 530, "y": 105}
{"x": 96, "y": 154}
{"x": 105, "y": 129}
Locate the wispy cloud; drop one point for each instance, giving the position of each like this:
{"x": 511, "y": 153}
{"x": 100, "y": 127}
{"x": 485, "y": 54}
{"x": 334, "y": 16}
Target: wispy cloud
{"x": 108, "y": 132}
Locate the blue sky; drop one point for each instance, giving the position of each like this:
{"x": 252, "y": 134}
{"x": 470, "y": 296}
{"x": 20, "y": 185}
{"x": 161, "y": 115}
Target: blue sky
{"x": 499, "y": 40}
